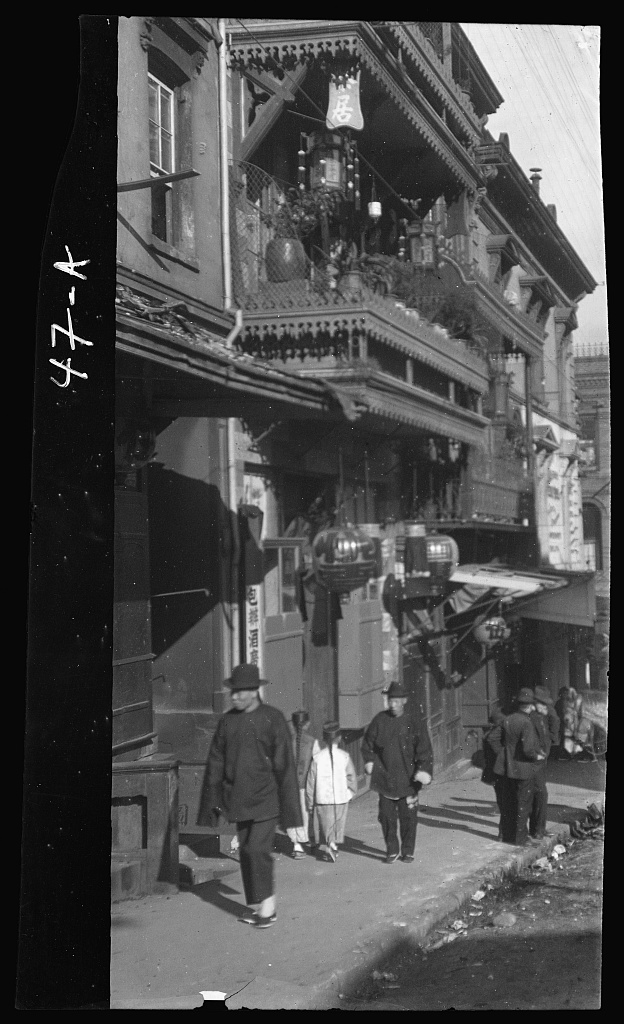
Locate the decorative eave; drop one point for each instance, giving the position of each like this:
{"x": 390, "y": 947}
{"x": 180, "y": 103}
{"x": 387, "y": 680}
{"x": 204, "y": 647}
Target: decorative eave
{"x": 227, "y": 370}
{"x": 392, "y": 326}
{"x": 562, "y": 257}
{"x": 387, "y": 398}
{"x": 477, "y": 68}
{"x": 293, "y": 43}
{"x": 422, "y": 117}
{"x": 422, "y": 54}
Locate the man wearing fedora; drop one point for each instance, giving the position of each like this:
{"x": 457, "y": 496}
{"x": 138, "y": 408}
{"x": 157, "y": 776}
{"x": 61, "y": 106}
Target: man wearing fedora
{"x": 546, "y": 722}
{"x": 251, "y": 780}
{"x": 399, "y": 759}
{"x": 518, "y": 755}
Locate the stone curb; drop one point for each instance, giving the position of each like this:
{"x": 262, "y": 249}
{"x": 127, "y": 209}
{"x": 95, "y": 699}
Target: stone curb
{"x": 327, "y": 994}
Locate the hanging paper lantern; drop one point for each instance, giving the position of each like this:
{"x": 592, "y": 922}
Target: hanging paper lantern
{"x": 328, "y": 168}
{"x": 492, "y": 631}
{"x": 429, "y": 562}
{"x": 344, "y": 558}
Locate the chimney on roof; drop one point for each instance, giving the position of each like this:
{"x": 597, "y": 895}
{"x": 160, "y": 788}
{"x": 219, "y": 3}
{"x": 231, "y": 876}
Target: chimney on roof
{"x": 552, "y": 209}
{"x": 536, "y": 178}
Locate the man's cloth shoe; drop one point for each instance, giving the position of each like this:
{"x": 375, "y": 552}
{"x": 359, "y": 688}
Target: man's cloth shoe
{"x": 249, "y": 917}
{"x": 390, "y": 858}
{"x": 264, "y": 922}
{"x": 407, "y": 858}
{"x": 298, "y": 855}
{"x": 543, "y": 835}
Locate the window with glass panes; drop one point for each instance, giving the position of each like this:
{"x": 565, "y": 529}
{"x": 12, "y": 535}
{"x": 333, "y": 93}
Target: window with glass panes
{"x": 162, "y": 154}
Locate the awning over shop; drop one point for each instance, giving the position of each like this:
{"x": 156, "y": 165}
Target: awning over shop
{"x": 561, "y": 597}
{"x": 512, "y": 583}
{"x": 576, "y": 605}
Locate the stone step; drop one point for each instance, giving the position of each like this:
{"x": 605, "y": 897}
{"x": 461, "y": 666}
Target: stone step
{"x": 196, "y": 867}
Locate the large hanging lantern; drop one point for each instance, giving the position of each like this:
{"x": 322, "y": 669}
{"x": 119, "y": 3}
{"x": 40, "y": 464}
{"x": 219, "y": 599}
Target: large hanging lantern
{"x": 429, "y": 562}
{"x": 492, "y": 631}
{"x": 344, "y": 558}
{"x": 327, "y": 154}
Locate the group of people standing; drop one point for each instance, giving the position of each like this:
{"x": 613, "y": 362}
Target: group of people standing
{"x": 262, "y": 773}
{"x": 516, "y": 750}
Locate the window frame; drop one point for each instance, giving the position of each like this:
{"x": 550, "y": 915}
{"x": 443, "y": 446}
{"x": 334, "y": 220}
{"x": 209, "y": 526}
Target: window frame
{"x": 271, "y": 544}
{"x": 158, "y": 169}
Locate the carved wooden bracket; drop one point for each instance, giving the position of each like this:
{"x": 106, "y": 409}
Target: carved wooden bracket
{"x": 146, "y": 33}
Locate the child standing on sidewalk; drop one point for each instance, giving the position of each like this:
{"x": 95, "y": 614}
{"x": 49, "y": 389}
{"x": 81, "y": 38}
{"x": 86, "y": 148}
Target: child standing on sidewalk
{"x": 332, "y": 782}
{"x": 304, "y": 749}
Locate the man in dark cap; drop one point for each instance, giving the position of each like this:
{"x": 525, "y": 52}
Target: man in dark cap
{"x": 251, "y": 779}
{"x": 399, "y": 759}
{"x": 518, "y": 754}
{"x": 546, "y": 722}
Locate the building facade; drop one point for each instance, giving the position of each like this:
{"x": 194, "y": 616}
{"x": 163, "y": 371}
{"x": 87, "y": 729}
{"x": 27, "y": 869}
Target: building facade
{"x": 341, "y": 306}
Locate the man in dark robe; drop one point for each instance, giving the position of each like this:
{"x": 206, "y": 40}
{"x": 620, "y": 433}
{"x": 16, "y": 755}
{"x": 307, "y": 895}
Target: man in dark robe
{"x": 518, "y": 753}
{"x": 399, "y": 759}
{"x": 546, "y": 721}
{"x": 251, "y": 780}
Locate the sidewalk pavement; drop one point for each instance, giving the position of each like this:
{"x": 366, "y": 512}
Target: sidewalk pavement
{"x": 334, "y": 920}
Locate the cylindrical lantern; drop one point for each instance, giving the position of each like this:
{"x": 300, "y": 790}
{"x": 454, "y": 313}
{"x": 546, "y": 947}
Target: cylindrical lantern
{"x": 374, "y": 207}
{"x": 344, "y": 558}
{"x": 443, "y": 559}
{"x": 492, "y": 631}
{"x": 429, "y": 562}
{"x": 327, "y": 170}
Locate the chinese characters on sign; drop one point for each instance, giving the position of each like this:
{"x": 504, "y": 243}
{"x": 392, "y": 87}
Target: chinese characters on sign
{"x": 344, "y": 109}
{"x": 253, "y": 630}
{"x": 69, "y": 267}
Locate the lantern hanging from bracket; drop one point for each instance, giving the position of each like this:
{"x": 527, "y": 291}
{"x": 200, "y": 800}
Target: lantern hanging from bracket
{"x": 429, "y": 561}
{"x": 492, "y": 631}
{"x": 327, "y": 155}
{"x": 344, "y": 558}
{"x": 374, "y": 207}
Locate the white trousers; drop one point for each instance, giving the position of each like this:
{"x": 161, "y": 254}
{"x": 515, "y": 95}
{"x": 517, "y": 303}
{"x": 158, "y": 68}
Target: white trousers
{"x": 300, "y": 835}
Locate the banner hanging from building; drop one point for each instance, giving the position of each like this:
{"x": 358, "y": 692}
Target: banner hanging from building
{"x": 344, "y": 110}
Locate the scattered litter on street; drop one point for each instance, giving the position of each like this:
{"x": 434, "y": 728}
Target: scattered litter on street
{"x": 504, "y": 920}
{"x": 383, "y": 976}
{"x": 478, "y": 895}
{"x": 458, "y": 925}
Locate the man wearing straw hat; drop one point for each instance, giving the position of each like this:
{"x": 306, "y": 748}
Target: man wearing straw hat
{"x": 399, "y": 759}
{"x": 251, "y": 779}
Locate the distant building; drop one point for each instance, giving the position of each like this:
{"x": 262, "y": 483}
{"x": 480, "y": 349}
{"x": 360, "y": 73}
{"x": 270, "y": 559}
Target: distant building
{"x": 591, "y": 373}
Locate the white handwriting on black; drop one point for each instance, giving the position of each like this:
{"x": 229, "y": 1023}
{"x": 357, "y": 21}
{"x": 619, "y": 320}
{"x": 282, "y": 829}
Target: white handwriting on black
{"x": 69, "y": 267}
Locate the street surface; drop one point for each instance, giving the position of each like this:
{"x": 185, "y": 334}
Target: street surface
{"x": 544, "y": 953}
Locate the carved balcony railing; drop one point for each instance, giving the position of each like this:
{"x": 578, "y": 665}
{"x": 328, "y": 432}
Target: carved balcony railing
{"x": 320, "y": 312}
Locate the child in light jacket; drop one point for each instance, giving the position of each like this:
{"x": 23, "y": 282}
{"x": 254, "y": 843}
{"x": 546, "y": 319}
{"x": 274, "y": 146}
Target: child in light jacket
{"x": 331, "y": 784}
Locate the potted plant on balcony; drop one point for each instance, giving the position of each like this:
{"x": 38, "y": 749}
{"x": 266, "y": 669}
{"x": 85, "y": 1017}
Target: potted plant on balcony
{"x": 296, "y": 214}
